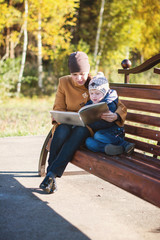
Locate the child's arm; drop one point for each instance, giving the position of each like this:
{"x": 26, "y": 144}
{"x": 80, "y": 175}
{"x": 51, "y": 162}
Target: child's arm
{"x": 102, "y": 123}
{"x": 109, "y": 116}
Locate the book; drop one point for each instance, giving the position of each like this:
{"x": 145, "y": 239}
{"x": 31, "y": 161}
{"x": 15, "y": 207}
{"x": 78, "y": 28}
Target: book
{"x": 86, "y": 115}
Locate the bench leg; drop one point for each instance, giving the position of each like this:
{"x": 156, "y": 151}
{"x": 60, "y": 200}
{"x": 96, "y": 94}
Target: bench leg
{"x": 43, "y": 156}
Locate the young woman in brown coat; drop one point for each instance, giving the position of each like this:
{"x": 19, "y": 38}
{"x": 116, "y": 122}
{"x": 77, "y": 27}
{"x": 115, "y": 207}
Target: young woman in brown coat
{"x": 72, "y": 94}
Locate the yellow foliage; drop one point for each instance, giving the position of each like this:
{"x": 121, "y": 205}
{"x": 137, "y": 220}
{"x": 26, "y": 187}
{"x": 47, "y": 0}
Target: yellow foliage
{"x": 54, "y": 16}
{"x": 8, "y": 15}
{"x": 149, "y": 13}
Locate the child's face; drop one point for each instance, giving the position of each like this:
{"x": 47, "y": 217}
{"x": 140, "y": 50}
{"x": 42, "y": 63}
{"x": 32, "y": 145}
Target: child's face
{"x": 96, "y": 95}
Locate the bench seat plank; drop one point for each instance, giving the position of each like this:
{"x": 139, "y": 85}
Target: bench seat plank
{"x": 131, "y": 180}
{"x": 151, "y": 161}
{"x": 134, "y": 163}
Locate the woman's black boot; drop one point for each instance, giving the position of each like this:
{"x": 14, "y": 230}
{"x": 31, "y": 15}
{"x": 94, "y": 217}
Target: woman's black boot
{"x": 49, "y": 184}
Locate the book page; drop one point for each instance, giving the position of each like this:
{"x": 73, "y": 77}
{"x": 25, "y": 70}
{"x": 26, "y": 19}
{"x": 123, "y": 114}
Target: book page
{"x": 93, "y": 112}
{"x": 71, "y": 118}
{"x": 84, "y": 108}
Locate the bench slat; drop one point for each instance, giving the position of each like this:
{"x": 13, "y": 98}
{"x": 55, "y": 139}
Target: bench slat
{"x": 151, "y": 161}
{"x": 145, "y": 119}
{"x": 124, "y": 177}
{"x": 141, "y": 106}
{"x": 143, "y": 132}
{"x": 133, "y": 85}
{"x": 137, "y": 165}
{"x": 138, "y": 93}
{"x": 146, "y": 147}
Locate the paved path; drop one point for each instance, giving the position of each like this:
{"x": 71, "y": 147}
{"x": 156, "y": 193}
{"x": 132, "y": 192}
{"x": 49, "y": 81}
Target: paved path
{"x": 84, "y": 207}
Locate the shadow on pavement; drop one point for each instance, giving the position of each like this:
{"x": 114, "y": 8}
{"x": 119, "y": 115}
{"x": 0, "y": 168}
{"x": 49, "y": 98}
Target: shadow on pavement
{"x": 24, "y": 216}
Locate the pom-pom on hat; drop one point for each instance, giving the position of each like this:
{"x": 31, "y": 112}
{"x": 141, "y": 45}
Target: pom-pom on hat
{"x": 99, "y": 82}
{"x": 78, "y": 62}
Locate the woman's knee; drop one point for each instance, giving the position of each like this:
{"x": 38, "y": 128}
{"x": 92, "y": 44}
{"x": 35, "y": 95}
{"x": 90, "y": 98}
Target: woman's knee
{"x": 81, "y": 131}
{"x": 63, "y": 128}
{"x": 62, "y": 131}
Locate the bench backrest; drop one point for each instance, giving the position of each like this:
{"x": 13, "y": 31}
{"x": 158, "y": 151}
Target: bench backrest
{"x": 143, "y": 118}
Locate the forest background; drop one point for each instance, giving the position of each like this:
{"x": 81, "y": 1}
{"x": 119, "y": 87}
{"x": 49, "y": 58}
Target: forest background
{"x": 37, "y": 36}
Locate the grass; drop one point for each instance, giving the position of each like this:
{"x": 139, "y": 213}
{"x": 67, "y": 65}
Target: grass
{"x": 25, "y": 116}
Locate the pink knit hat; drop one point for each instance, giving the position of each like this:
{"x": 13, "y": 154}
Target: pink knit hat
{"x": 78, "y": 62}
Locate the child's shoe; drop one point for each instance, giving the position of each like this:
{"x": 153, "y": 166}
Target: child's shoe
{"x": 111, "y": 149}
{"x": 129, "y": 148}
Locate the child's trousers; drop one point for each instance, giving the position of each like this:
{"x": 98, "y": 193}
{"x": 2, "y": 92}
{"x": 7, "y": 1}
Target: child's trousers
{"x": 113, "y": 135}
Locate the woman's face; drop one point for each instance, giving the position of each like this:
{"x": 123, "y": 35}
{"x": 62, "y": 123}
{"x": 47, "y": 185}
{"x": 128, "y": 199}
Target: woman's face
{"x": 80, "y": 77}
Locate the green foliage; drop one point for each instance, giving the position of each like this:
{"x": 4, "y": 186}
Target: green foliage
{"x": 9, "y": 71}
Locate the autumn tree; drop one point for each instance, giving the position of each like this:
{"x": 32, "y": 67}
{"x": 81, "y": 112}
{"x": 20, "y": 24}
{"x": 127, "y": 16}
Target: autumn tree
{"x": 10, "y": 17}
{"x": 148, "y": 13}
{"x": 25, "y": 42}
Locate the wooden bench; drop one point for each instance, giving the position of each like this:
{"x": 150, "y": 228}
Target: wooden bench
{"x": 138, "y": 173}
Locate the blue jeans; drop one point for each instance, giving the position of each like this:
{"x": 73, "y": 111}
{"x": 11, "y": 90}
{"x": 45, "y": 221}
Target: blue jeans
{"x": 66, "y": 140}
{"x": 113, "y": 135}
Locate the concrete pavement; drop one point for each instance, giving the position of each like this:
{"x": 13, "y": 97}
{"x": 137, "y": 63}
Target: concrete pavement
{"x": 84, "y": 207}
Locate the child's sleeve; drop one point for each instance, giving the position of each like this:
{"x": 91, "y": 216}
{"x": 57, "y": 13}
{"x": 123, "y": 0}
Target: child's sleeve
{"x": 113, "y": 106}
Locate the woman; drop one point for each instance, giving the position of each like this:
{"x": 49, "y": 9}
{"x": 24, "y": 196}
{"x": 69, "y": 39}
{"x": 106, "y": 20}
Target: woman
{"x": 72, "y": 94}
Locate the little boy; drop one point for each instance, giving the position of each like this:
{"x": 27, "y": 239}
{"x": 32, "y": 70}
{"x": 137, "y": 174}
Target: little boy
{"x": 106, "y": 133}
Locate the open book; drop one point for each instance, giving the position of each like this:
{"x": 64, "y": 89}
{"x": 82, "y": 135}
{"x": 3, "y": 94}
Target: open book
{"x": 86, "y": 115}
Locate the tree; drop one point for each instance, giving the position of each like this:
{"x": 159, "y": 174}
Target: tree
{"x": 98, "y": 34}
{"x": 148, "y": 12}
{"x": 40, "y": 66}
{"x": 24, "y": 48}
{"x": 9, "y": 18}
{"x": 47, "y": 26}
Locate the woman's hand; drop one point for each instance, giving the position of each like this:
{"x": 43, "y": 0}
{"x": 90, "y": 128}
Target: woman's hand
{"x": 52, "y": 119}
{"x": 109, "y": 116}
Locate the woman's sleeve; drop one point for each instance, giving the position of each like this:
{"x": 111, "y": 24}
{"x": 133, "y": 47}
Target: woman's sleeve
{"x": 122, "y": 112}
{"x": 60, "y": 103}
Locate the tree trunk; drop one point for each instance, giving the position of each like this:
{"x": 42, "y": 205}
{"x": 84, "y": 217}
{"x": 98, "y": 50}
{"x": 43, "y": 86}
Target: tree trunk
{"x": 24, "y": 49}
{"x": 12, "y": 55}
{"x": 40, "y": 66}
{"x": 7, "y": 42}
{"x": 98, "y": 34}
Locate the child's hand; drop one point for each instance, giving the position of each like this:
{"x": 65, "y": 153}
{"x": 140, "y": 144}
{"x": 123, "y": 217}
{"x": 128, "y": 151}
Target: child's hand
{"x": 109, "y": 116}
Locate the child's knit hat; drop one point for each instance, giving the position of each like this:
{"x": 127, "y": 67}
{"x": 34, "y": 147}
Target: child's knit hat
{"x": 99, "y": 82}
{"x": 78, "y": 62}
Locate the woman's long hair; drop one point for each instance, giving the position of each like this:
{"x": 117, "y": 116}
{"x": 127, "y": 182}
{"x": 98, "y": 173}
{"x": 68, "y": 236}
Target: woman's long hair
{"x": 88, "y": 80}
